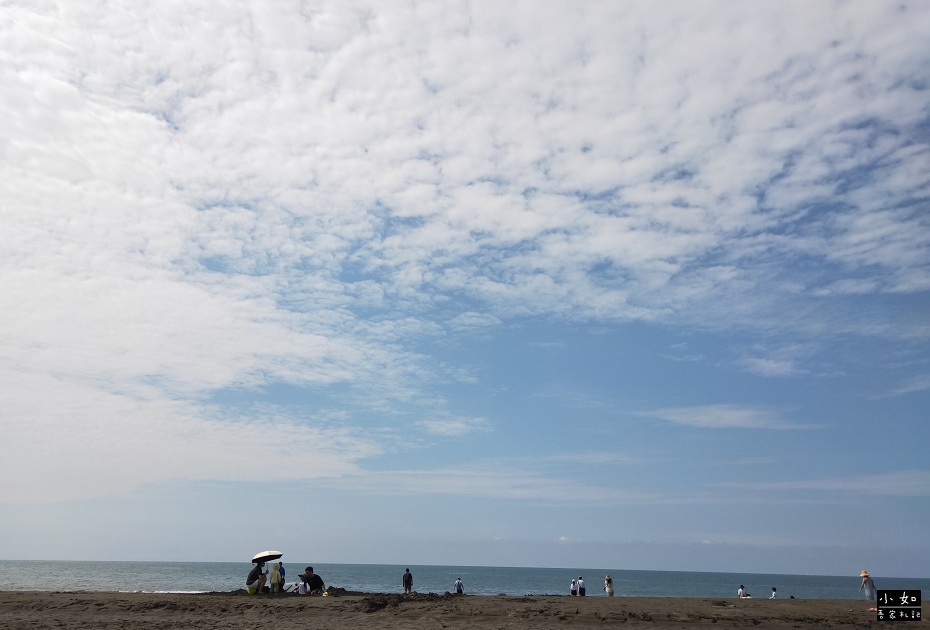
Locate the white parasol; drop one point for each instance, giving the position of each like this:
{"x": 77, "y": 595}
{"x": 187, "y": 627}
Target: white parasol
{"x": 266, "y": 556}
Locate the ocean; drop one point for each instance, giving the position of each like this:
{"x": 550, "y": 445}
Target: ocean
{"x": 28, "y": 575}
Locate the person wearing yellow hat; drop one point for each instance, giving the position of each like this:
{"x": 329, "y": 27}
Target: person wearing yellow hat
{"x": 869, "y": 586}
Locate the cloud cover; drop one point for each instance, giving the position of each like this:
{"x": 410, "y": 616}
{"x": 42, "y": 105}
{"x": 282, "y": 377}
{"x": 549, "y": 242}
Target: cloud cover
{"x": 205, "y": 201}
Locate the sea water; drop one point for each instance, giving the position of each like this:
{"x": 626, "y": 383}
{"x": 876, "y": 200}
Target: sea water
{"x": 29, "y": 575}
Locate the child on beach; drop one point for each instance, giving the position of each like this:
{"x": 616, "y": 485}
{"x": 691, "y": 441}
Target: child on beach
{"x": 275, "y": 579}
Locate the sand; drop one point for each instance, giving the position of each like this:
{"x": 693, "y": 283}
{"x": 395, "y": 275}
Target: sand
{"x": 428, "y": 611}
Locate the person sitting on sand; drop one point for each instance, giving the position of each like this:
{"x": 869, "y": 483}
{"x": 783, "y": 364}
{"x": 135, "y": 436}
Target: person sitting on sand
{"x": 774, "y": 594}
{"x": 458, "y": 587}
{"x": 313, "y": 581}
{"x": 255, "y": 583}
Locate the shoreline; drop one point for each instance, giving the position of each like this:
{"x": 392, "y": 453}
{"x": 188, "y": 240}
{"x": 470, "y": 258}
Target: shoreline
{"x": 394, "y": 611}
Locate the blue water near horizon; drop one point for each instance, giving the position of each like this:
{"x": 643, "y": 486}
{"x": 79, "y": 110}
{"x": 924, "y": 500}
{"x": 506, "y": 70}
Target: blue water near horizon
{"x": 43, "y": 575}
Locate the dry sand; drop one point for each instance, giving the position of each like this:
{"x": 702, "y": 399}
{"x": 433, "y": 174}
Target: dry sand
{"x": 428, "y": 611}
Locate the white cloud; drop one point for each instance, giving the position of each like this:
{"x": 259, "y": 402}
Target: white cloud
{"x": 486, "y": 482}
{"x": 198, "y": 198}
{"x": 850, "y": 286}
{"x": 453, "y": 427}
{"x": 723, "y": 417}
{"x": 917, "y": 383}
{"x": 437, "y": 128}
{"x": 595, "y": 458}
{"x": 471, "y": 321}
{"x": 778, "y": 361}
{"x": 64, "y": 440}
{"x": 769, "y": 367}
{"x": 911, "y": 483}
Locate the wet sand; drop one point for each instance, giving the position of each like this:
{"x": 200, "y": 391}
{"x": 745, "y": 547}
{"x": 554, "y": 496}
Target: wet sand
{"x": 237, "y": 610}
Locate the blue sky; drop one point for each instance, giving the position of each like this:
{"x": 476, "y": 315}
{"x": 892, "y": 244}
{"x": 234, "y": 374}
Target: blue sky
{"x": 624, "y": 285}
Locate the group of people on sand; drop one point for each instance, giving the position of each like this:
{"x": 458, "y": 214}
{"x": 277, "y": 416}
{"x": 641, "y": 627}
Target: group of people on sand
{"x": 309, "y": 583}
{"x": 312, "y": 584}
{"x": 867, "y": 588}
{"x": 458, "y": 588}
{"x": 577, "y": 587}
{"x": 742, "y": 593}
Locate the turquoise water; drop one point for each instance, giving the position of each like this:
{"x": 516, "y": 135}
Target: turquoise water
{"x": 20, "y": 575}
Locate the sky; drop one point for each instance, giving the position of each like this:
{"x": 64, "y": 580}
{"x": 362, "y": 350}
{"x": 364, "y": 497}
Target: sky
{"x": 634, "y": 285}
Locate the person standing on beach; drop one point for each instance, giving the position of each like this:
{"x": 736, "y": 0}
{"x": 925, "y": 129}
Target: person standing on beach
{"x": 275, "y": 579}
{"x": 458, "y": 587}
{"x": 609, "y": 585}
{"x": 574, "y": 588}
{"x": 869, "y": 586}
{"x": 580, "y": 587}
{"x": 408, "y": 582}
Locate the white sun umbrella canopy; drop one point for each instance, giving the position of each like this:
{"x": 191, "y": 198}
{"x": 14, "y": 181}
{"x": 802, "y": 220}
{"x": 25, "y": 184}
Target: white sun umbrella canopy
{"x": 266, "y": 556}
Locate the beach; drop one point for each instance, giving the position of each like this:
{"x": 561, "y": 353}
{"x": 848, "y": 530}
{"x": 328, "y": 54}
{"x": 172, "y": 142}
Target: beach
{"x": 234, "y": 610}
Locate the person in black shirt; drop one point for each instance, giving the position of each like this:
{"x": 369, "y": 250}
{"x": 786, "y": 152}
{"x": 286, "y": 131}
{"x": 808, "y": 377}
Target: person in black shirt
{"x": 408, "y": 582}
{"x": 256, "y": 580}
{"x": 313, "y": 581}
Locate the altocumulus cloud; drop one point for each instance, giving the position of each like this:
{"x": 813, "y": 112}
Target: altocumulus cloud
{"x": 197, "y": 199}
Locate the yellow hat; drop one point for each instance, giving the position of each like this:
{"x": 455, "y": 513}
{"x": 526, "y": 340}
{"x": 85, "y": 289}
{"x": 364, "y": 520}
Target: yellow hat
{"x": 864, "y": 574}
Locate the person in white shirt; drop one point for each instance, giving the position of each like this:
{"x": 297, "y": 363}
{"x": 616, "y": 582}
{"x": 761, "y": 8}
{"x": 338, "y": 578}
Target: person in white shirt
{"x": 774, "y": 594}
